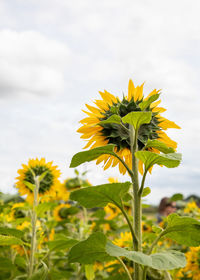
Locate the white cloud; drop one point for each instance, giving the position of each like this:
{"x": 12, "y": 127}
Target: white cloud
{"x": 31, "y": 63}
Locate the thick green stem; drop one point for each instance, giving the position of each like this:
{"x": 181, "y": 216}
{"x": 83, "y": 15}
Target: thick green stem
{"x": 125, "y": 268}
{"x": 33, "y": 223}
{"x": 137, "y": 209}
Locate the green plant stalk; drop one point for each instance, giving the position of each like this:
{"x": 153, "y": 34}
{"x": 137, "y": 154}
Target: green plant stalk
{"x": 125, "y": 268}
{"x": 33, "y": 223}
{"x": 137, "y": 209}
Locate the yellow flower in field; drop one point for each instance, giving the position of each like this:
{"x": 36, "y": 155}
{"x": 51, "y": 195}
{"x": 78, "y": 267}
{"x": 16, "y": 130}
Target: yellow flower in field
{"x": 112, "y": 211}
{"x": 192, "y": 207}
{"x": 192, "y": 269}
{"x": 16, "y": 212}
{"x": 99, "y": 134}
{"x": 59, "y": 212}
{"x": 48, "y": 186}
{"x": 124, "y": 241}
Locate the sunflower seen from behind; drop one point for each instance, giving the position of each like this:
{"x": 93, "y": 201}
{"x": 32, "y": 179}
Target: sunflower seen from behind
{"x": 49, "y": 185}
{"x": 99, "y": 134}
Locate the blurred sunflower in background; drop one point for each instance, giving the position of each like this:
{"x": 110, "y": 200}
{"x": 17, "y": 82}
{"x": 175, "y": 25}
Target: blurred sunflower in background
{"x": 49, "y": 185}
{"x": 99, "y": 134}
{"x": 59, "y": 212}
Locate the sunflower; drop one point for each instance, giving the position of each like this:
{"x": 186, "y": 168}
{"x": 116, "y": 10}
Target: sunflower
{"x": 99, "y": 134}
{"x": 59, "y": 212}
{"x": 48, "y": 186}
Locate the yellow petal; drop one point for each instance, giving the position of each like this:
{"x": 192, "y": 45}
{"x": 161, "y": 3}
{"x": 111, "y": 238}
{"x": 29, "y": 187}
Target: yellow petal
{"x": 131, "y": 90}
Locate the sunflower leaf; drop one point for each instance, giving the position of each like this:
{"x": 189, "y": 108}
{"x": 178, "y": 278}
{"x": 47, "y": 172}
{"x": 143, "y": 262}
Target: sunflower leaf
{"x": 143, "y": 105}
{"x": 162, "y": 147}
{"x": 11, "y": 232}
{"x": 162, "y": 261}
{"x": 61, "y": 244}
{"x": 29, "y": 185}
{"x": 149, "y": 159}
{"x": 101, "y": 195}
{"x": 184, "y": 230}
{"x": 137, "y": 118}
{"x": 41, "y": 177}
{"x": 10, "y": 240}
{"x": 90, "y": 250}
{"x": 146, "y": 191}
{"x": 89, "y": 272}
{"x": 92, "y": 154}
{"x": 113, "y": 119}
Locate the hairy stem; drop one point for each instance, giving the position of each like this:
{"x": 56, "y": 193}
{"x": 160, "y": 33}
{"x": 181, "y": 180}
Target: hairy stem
{"x": 137, "y": 210}
{"x": 33, "y": 223}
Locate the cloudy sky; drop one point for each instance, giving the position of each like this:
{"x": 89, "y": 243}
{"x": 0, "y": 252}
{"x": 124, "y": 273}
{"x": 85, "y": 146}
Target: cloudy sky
{"x": 56, "y": 55}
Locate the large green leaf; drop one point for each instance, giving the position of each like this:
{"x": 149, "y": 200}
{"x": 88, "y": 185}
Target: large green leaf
{"x": 143, "y": 105}
{"x": 184, "y": 230}
{"x": 6, "y": 264}
{"x": 100, "y": 196}
{"x": 162, "y": 261}
{"x": 149, "y": 159}
{"x": 10, "y": 240}
{"x": 92, "y": 154}
{"x": 44, "y": 207}
{"x": 113, "y": 119}
{"x": 136, "y": 119}
{"x": 146, "y": 191}
{"x": 162, "y": 147}
{"x": 61, "y": 244}
{"x": 11, "y": 232}
{"x": 90, "y": 250}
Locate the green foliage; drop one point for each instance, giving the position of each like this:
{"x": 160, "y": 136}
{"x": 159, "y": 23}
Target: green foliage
{"x": 89, "y": 272}
{"x": 100, "y": 196}
{"x": 162, "y": 147}
{"x": 136, "y": 119}
{"x": 162, "y": 261}
{"x": 146, "y": 191}
{"x": 61, "y": 244}
{"x": 44, "y": 207}
{"x": 149, "y": 159}
{"x": 176, "y": 197}
{"x": 9, "y": 240}
{"x": 92, "y": 154}
{"x": 11, "y": 231}
{"x": 145, "y": 104}
{"x": 113, "y": 119}
{"x": 184, "y": 230}
{"x": 90, "y": 250}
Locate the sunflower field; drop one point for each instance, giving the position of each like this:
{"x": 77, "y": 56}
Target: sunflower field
{"x": 74, "y": 230}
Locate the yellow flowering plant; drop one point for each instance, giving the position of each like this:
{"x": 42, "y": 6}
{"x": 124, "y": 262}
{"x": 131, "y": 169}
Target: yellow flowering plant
{"x": 130, "y": 133}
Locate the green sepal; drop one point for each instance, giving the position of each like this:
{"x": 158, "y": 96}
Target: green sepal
{"x": 113, "y": 119}
{"x": 144, "y": 104}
